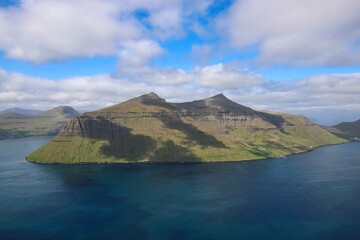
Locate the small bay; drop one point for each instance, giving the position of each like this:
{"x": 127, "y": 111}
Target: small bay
{"x": 315, "y": 195}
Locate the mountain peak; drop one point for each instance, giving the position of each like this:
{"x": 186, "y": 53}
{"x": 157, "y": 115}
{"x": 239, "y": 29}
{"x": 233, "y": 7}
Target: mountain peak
{"x": 219, "y": 96}
{"x": 61, "y": 110}
{"x": 220, "y": 99}
{"x": 146, "y": 99}
{"x": 151, "y": 95}
{"x": 217, "y": 103}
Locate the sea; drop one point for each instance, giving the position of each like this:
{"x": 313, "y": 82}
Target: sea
{"x": 314, "y": 195}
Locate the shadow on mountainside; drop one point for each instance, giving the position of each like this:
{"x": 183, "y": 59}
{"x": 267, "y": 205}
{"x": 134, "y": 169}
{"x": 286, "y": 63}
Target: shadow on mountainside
{"x": 159, "y": 103}
{"x": 169, "y": 152}
{"x": 133, "y": 147}
{"x": 193, "y": 134}
{"x": 275, "y": 120}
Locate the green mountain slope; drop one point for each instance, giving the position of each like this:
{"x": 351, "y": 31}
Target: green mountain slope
{"x": 13, "y": 125}
{"x": 350, "y": 129}
{"x": 148, "y": 129}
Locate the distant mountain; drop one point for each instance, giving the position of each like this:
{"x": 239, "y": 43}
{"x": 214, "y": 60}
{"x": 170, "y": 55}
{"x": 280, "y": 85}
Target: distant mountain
{"x": 27, "y": 112}
{"x": 62, "y": 111}
{"x": 350, "y": 128}
{"x": 149, "y": 129}
{"x": 14, "y": 125}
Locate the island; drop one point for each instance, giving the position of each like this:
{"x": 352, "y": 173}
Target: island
{"x": 149, "y": 129}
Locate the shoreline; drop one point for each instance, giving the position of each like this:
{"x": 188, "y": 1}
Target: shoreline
{"x": 186, "y": 162}
{"x": 15, "y": 138}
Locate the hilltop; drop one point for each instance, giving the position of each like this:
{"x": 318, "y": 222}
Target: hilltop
{"x": 15, "y": 125}
{"x": 149, "y": 129}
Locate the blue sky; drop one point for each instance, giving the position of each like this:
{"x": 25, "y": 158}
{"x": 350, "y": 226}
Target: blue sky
{"x": 293, "y": 56}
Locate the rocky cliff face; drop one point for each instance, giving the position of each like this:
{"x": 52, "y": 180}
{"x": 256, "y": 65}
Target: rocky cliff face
{"x": 221, "y": 109}
{"x": 148, "y": 128}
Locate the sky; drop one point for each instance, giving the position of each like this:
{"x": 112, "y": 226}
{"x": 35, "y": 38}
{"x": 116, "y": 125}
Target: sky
{"x": 294, "y": 56}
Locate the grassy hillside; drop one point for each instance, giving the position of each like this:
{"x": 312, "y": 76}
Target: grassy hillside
{"x": 347, "y": 129}
{"x": 148, "y": 129}
{"x": 13, "y": 125}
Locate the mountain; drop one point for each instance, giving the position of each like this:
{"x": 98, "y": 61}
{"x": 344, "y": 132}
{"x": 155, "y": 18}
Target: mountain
{"x": 60, "y": 112}
{"x": 352, "y": 129}
{"x": 27, "y": 112}
{"x": 149, "y": 129}
{"x": 14, "y": 125}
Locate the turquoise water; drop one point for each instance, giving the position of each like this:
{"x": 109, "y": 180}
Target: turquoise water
{"x": 315, "y": 195}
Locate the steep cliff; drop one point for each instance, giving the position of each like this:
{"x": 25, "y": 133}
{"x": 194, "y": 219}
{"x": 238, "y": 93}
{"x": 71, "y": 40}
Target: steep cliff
{"x": 149, "y": 129}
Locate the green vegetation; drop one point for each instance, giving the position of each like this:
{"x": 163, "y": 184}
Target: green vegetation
{"x": 13, "y": 125}
{"x": 148, "y": 129}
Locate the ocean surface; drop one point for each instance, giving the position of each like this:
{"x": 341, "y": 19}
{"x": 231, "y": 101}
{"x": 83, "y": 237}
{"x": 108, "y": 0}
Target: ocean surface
{"x": 314, "y": 195}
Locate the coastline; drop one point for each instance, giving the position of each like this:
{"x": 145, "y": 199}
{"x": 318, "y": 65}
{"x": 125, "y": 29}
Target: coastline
{"x": 186, "y": 162}
{"x": 15, "y": 138}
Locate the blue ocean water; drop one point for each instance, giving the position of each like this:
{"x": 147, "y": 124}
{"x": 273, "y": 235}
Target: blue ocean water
{"x": 314, "y": 195}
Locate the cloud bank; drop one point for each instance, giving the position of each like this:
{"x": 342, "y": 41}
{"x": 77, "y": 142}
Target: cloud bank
{"x": 327, "y": 99}
{"x": 48, "y": 30}
{"x": 296, "y": 33}
{"x": 280, "y": 32}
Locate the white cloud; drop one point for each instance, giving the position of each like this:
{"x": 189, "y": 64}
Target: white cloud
{"x": 220, "y": 76}
{"x": 201, "y": 53}
{"x": 338, "y": 83}
{"x": 167, "y": 22}
{"x": 134, "y": 64}
{"x": 83, "y": 93}
{"x": 47, "y": 30}
{"x": 44, "y": 30}
{"x": 292, "y": 32}
{"x": 166, "y": 76}
{"x": 134, "y": 54}
{"x": 328, "y": 98}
